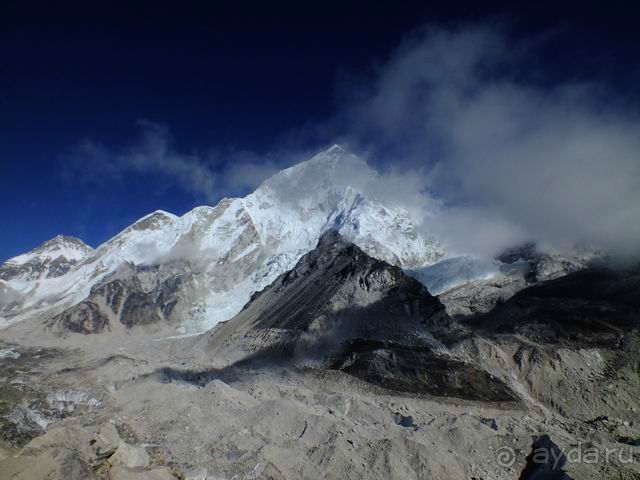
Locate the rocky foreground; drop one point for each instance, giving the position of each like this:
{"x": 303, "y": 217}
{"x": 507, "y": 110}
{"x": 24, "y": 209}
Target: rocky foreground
{"x": 344, "y": 367}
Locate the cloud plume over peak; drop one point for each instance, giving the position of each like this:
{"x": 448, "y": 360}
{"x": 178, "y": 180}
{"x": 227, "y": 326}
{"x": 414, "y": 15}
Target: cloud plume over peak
{"x": 465, "y": 131}
{"x": 509, "y": 155}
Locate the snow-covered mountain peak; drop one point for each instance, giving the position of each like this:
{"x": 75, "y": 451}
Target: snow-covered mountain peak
{"x": 332, "y": 156}
{"x": 331, "y": 167}
{"x": 71, "y": 247}
{"x": 52, "y": 258}
{"x": 241, "y": 245}
{"x": 335, "y": 148}
{"x": 295, "y": 206}
{"x": 154, "y": 221}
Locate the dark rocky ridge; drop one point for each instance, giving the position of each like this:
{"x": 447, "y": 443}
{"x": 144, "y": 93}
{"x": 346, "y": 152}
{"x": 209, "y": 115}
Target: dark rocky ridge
{"x": 593, "y": 307}
{"x": 573, "y": 343}
{"x": 335, "y": 290}
{"x": 418, "y": 370}
{"x": 343, "y": 310}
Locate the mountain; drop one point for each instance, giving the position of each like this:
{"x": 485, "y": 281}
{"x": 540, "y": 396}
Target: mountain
{"x": 236, "y": 248}
{"x": 470, "y": 285}
{"x": 334, "y": 293}
{"x": 571, "y": 342}
{"x": 325, "y": 353}
{"x": 133, "y": 296}
{"x": 590, "y": 308}
{"x": 340, "y": 309}
{"x": 210, "y": 260}
{"x": 548, "y": 263}
{"x": 51, "y": 259}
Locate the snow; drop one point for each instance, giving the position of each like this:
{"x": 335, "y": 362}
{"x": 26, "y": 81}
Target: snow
{"x": 9, "y": 353}
{"x": 67, "y": 401}
{"x": 60, "y": 246}
{"x": 241, "y": 245}
{"x": 453, "y": 271}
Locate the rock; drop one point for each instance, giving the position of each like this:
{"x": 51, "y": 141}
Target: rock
{"x": 361, "y": 297}
{"x": 196, "y": 474}
{"x": 418, "y": 369}
{"x": 403, "y": 421}
{"x": 118, "y": 472}
{"x": 23, "y": 424}
{"x": 546, "y": 460}
{"x": 131, "y": 456}
{"x": 109, "y": 436}
{"x": 634, "y": 442}
{"x": 490, "y": 422}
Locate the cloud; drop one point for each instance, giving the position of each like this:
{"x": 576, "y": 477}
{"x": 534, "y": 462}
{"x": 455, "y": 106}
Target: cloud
{"x": 462, "y": 128}
{"x": 152, "y": 153}
{"x": 208, "y": 177}
{"x": 246, "y": 170}
{"x": 508, "y": 157}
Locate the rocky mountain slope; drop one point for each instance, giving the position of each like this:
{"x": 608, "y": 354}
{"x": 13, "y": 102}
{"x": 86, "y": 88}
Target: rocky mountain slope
{"x": 133, "y": 297}
{"x": 571, "y": 343}
{"x": 334, "y": 293}
{"x": 344, "y": 310}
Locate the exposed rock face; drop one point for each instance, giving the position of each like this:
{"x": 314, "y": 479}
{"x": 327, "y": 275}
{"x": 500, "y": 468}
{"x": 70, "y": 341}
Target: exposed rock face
{"x": 419, "y": 370}
{"x": 334, "y": 293}
{"x": 85, "y": 317}
{"x": 572, "y": 343}
{"x": 346, "y": 311}
{"x": 52, "y": 259}
{"x": 480, "y": 296}
{"x": 587, "y": 308}
{"x": 132, "y": 296}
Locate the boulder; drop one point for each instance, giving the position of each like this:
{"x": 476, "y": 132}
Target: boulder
{"x": 196, "y": 474}
{"x": 131, "y": 456}
{"x": 118, "y": 472}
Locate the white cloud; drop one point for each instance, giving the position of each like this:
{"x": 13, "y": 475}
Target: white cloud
{"x": 465, "y": 141}
{"x": 508, "y": 159}
{"x": 93, "y": 162}
{"x": 207, "y": 177}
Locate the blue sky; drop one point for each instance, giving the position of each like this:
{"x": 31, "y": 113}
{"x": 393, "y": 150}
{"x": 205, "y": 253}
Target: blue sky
{"x": 224, "y": 86}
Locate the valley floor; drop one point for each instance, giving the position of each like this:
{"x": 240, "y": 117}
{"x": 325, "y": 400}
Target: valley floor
{"x": 149, "y": 408}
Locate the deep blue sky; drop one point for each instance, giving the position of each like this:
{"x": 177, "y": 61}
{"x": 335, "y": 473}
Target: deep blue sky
{"x": 219, "y": 75}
